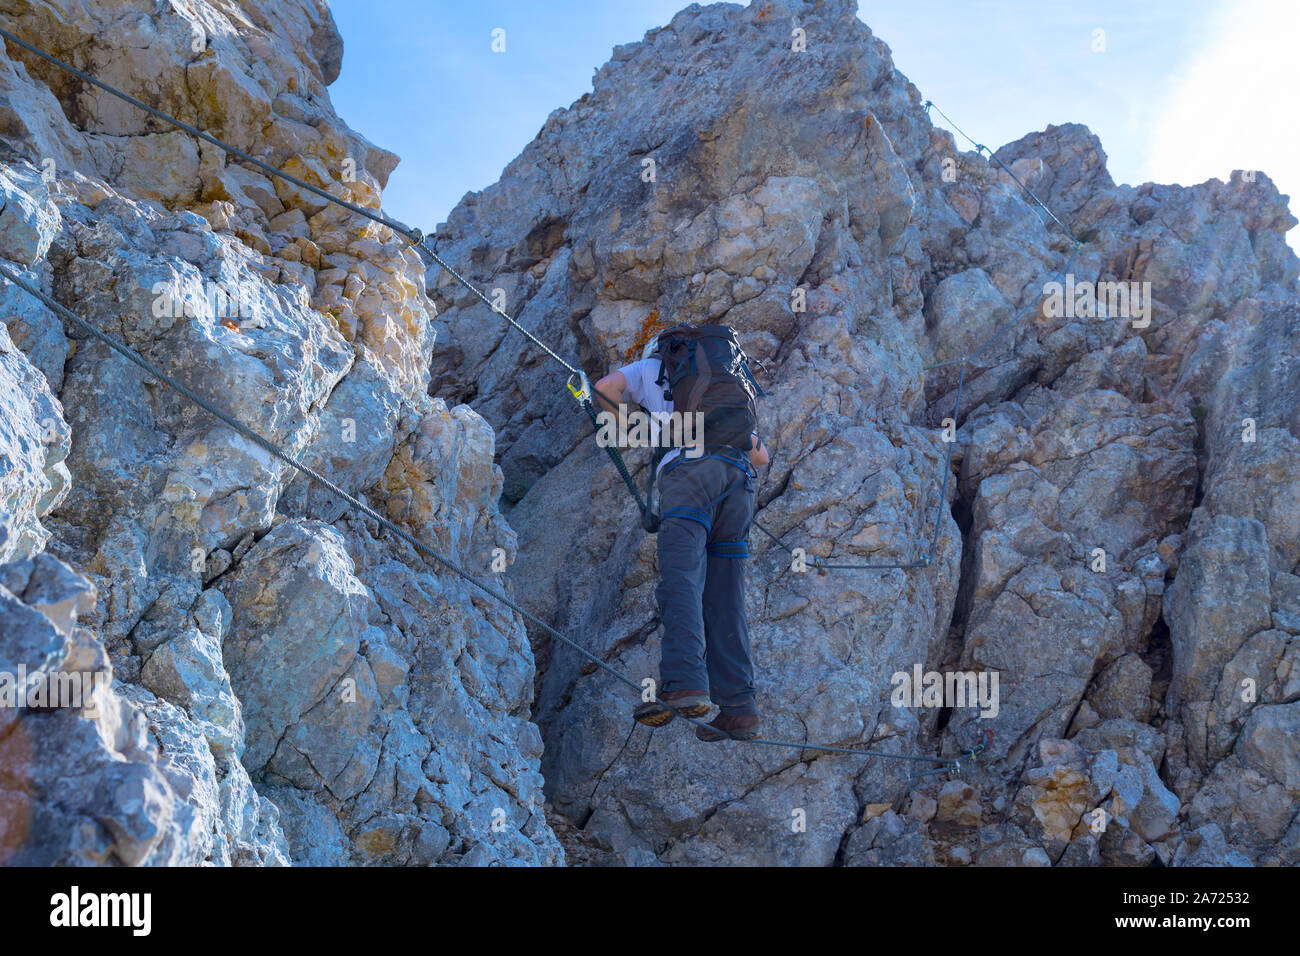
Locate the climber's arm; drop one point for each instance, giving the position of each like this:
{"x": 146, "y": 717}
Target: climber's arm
{"x": 758, "y": 456}
{"x": 608, "y": 393}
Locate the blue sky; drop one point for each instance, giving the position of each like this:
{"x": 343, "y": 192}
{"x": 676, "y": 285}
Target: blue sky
{"x": 1183, "y": 90}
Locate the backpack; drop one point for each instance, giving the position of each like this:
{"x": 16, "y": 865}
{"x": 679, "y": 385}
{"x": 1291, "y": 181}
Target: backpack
{"x": 703, "y": 369}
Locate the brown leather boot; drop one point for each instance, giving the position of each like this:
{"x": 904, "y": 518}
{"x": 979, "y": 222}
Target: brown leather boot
{"x": 733, "y": 727}
{"x": 691, "y": 703}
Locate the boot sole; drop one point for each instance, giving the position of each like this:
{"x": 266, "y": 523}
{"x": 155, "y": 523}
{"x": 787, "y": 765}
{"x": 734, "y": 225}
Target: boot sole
{"x": 660, "y": 717}
{"x": 713, "y": 736}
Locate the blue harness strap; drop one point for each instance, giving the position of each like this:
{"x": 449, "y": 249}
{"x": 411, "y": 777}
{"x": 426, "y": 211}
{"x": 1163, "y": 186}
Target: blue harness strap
{"x": 691, "y": 514}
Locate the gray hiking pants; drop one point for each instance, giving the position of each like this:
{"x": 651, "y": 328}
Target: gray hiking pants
{"x": 707, "y": 505}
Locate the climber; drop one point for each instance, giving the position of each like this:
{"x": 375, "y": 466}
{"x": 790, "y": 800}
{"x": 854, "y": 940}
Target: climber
{"x": 706, "y": 495}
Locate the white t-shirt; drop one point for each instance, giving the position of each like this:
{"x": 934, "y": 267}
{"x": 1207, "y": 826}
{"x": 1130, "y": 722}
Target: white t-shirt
{"x": 641, "y": 388}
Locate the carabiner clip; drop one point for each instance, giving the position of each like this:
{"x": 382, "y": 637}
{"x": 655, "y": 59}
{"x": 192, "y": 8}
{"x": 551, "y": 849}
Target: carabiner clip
{"x": 582, "y": 394}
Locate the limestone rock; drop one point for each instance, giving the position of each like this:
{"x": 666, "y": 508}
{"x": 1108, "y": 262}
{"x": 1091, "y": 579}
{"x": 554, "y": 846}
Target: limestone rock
{"x": 250, "y": 634}
{"x": 34, "y": 441}
{"x": 110, "y": 775}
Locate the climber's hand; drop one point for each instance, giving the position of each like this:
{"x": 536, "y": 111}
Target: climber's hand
{"x": 758, "y": 456}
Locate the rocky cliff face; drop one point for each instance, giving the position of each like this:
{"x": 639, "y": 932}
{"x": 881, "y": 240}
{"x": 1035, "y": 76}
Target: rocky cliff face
{"x": 1119, "y": 546}
{"x": 274, "y": 681}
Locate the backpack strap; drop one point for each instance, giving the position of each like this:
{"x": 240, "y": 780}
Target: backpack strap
{"x": 663, "y": 380}
{"x": 744, "y": 364}
{"x": 703, "y": 372}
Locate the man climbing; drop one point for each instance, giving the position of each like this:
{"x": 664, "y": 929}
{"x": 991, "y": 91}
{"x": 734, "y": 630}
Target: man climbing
{"x": 706, "y": 494}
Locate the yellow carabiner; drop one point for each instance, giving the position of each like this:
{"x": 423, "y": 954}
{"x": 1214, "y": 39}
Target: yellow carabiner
{"x": 583, "y": 392}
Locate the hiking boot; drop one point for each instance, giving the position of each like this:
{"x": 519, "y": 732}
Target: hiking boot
{"x": 691, "y": 703}
{"x": 729, "y": 727}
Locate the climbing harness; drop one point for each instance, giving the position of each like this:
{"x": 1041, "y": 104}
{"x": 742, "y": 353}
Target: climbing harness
{"x": 582, "y": 393}
{"x": 704, "y": 516}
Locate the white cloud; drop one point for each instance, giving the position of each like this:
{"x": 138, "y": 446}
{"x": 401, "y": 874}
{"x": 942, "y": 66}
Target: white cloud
{"x": 1233, "y": 103}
